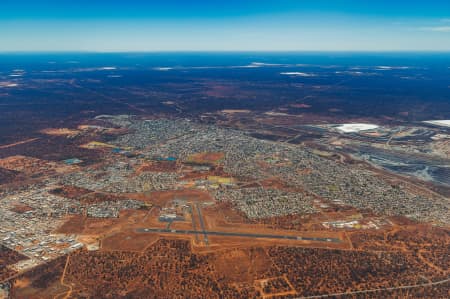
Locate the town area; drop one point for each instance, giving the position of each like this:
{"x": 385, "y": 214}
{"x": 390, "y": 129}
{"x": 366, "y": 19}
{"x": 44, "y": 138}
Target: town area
{"x": 234, "y": 213}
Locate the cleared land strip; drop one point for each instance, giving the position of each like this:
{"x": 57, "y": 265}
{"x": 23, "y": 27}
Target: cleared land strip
{"x": 234, "y": 234}
{"x": 18, "y": 143}
{"x": 428, "y": 284}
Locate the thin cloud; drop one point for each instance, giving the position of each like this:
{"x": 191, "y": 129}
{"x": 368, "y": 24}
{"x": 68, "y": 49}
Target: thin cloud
{"x": 437, "y": 29}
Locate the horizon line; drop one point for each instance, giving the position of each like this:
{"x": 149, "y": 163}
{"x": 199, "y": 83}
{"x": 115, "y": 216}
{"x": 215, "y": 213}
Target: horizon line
{"x": 215, "y": 51}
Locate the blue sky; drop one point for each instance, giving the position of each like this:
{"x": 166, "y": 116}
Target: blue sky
{"x": 227, "y": 25}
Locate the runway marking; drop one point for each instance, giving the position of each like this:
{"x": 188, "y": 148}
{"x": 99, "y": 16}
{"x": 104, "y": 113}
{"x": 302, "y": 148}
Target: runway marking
{"x": 234, "y": 234}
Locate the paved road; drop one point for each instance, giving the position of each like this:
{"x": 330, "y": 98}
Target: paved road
{"x": 234, "y": 234}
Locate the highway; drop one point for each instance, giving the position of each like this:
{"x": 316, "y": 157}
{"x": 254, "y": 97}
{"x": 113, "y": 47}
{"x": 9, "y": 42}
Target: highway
{"x": 235, "y": 234}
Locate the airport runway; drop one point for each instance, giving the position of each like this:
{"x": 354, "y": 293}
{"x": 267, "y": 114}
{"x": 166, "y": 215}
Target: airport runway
{"x": 202, "y": 224}
{"x": 233, "y": 234}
